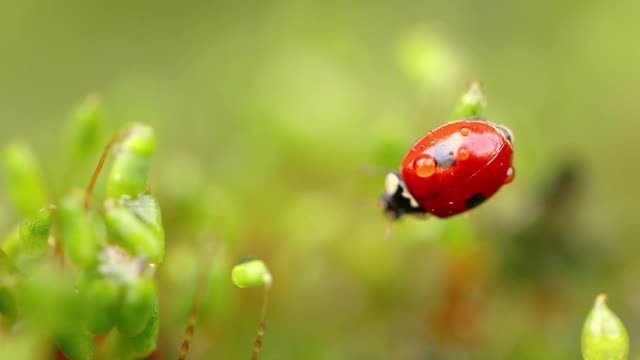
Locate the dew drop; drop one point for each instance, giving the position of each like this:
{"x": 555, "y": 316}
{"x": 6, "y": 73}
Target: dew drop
{"x": 463, "y": 154}
{"x": 423, "y": 146}
{"x": 510, "y": 175}
{"x": 450, "y": 202}
{"x": 432, "y": 143}
{"x": 464, "y": 131}
{"x": 425, "y": 166}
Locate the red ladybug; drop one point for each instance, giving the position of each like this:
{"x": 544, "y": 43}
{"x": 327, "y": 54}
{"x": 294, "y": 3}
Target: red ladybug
{"x": 452, "y": 169}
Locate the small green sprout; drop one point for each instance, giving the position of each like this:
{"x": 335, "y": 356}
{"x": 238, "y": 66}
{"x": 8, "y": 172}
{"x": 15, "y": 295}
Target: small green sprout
{"x": 85, "y": 132}
{"x": 23, "y": 179}
{"x": 251, "y": 272}
{"x": 77, "y": 345}
{"x": 137, "y": 307}
{"x": 144, "y": 343}
{"x": 471, "y": 105}
{"x": 103, "y": 297}
{"x": 128, "y": 175}
{"x": 604, "y": 337}
{"x": 114, "y": 248}
{"x": 77, "y": 231}
{"x": 34, "y": 233}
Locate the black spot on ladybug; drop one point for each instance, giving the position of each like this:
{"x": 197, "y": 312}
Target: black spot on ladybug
{"x": 506, "y": 132}
{"x": 443, "y": 156}
{"x": 474, "y": 200}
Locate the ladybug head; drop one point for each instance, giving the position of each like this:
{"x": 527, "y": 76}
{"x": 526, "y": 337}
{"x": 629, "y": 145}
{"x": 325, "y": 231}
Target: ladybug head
{"x": 508, "y": 134}
{"x": 397, "y": 200}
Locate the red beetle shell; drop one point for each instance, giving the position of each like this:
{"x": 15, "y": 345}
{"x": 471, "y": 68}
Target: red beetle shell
{"x": 458, "y": 165}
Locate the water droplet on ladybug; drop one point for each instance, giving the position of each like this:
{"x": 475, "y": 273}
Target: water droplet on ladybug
{"x": 464, "y": 131}
{"x": 463, "y": 154}
{"x": 450, "y": 202}
{"x": 510, "y": 175}
{"x": 425, "y": 166}
{"x": 432, "y": 143}
{"x": 423, "y": 146}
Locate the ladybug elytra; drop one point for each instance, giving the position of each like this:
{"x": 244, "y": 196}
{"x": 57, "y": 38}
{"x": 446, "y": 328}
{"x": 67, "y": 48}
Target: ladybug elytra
{"x": 452, "y": 169}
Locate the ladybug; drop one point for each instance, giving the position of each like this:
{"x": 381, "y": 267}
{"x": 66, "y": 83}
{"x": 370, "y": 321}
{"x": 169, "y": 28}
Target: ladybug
{"x": 452, "y": 169}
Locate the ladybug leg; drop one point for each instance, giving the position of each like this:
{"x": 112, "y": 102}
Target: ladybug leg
{"x": 397, "y": 200}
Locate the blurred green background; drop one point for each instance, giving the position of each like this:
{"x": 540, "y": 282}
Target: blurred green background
{"x": 270, "y": 116}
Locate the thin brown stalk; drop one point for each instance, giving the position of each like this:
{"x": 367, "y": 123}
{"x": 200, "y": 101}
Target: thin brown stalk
{"x": 263, "y": 319}
{"x": 193, "y": 318}
{"x": 98, "y": 170}
{"x": 195, "y": 310}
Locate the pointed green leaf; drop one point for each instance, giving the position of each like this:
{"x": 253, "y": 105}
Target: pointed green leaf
{"x": 130, "y": 232}
{"x": 146, "y": 207}
{"x": 604, "y": 337}
{"x": 471, "y": 105}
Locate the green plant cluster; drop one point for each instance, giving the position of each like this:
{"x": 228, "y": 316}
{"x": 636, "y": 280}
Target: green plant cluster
{"x": 77, "y": 272}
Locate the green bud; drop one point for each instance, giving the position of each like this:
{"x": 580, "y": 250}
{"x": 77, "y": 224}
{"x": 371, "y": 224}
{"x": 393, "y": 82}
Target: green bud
{"x": 132, "y": 161}
{"x": 34, "y": 233}
{"x": 86, "y": 130}
{"x": 23, "y": 179}
{"x": 8, "y": 306}
{"x": 129, "y": 231}
{"x": 77, "y": 231}
{"x": 146, "y": 207}
{"x": 144, "y": 343}
{"x": 250, "y": 272}
{"x": 103, "y": 297}
{"x": 471, "y": 105}
{"x": 137, "y": 307}
{"x": 77, "y": 345}
{"x": 604, "y": 337}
